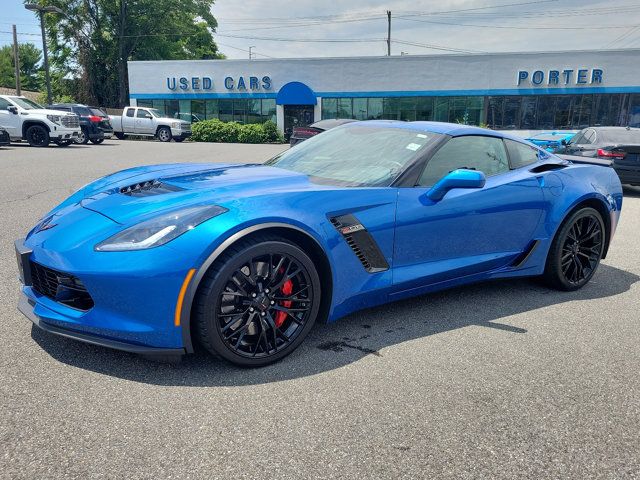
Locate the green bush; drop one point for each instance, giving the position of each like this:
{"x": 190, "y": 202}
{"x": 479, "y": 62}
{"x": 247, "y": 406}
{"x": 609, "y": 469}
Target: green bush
{"x": 234, "y": 132}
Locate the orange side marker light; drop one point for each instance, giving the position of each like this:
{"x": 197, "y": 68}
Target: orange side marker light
{"x": 183, "y": 291}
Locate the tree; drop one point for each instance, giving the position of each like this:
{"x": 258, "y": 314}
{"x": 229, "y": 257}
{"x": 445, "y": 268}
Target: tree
{"x": 96, "y": 38}
{"x": 30, "y": 69}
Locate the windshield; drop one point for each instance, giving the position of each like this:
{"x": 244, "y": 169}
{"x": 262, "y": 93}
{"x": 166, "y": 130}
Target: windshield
{"x": 155, "y": 112}
{"x": 356, "y": 154}
{"x": 25, "y": 103}
{"x": 620, "y": 136}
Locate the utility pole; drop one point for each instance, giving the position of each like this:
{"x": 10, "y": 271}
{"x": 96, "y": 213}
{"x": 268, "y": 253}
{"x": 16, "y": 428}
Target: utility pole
{"x": 388, "y": 33}
{"x": 16, "y": 60}
{"x": 45, "y": 56}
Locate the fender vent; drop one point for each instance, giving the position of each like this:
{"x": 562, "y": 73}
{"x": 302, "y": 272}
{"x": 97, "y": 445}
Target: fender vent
{"x": 361, "y": 242}
{"x": 148, "y": 188}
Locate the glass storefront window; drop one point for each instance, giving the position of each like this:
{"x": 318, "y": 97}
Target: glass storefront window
{"x": 198, "y": 110}
{"x": 212, "y": 109}
{"x": 360, "y": 108}
{"x": 441, "y": 110}
{"x": 345, "y": 108}
{"x": 424, "y": 108}
{"x": 329, "y": 108}
{"x": 269, "y": 109}
{"x": 225, "y": 110}
{"x": 374, "y": 108}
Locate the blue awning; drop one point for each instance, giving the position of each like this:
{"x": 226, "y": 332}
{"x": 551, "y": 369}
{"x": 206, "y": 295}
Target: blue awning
{"x": 296, "y": 93}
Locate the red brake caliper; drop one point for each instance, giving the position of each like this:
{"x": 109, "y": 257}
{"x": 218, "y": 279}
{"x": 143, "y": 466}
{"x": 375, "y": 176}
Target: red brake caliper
{"x": 286, "y": 290}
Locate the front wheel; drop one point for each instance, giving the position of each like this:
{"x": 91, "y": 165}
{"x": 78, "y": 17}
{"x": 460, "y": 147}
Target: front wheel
{"x": 179, "y": 140}
{"x": 37, "y": 136}
{"x": 164, "y": 134}
{"x": 576, "y": 250}
{"x": 258, "y": 302}
{"x": 63, "y": 143}
{"x": 97, "y": 141}
{"x": 119, "y": 136}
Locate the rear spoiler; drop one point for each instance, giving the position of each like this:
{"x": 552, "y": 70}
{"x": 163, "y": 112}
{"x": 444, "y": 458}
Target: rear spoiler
{"x": 588, "y": 160}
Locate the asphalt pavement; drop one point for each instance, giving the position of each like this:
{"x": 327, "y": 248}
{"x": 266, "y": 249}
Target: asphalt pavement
{"x": 498, "y": 380}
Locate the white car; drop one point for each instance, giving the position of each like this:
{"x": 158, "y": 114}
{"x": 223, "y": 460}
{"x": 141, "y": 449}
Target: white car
{"x": 149, "y": 122}
{"x": 26, "y": 120}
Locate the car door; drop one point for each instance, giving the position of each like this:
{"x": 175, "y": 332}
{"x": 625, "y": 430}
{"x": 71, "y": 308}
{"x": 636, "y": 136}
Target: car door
{"x": 469, "y": 230}
{"x": 144, "y": 122}
{"x": 10, "y": 121}
{"x": 129, "y": 120}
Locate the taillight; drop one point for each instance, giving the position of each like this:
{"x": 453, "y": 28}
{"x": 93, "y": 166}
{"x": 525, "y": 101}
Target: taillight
{"x": 305, "y": 131}
{"x": 95, "y": 119}
{"x": 610, "y": 154}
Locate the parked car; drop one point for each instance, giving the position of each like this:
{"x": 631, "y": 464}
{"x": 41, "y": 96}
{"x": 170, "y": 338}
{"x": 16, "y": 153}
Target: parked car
{"x": 246, "y": 258}
{"x": 92, "y": 127}
{"x": 551, "y": 141}
{"x": 149, "y": 122}
{"x": 24, "y": 119}
{"x": 621, "y": 145}
{"x": 300, "y": 134}
{"x": 4, "y": 137}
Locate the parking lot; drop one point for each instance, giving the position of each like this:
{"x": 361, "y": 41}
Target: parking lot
{"x": 503, "y": 379}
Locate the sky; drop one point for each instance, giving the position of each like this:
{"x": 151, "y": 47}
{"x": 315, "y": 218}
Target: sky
{"x": 418, "y": 27}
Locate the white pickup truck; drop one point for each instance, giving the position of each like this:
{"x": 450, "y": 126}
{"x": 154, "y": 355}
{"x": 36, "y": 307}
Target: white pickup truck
{"x": 149, "y": 122}
{"x": 26, "y": 120}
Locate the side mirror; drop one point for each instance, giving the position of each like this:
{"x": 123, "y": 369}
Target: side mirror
{"x": 461, "y": 178}
{"x": 13, "y": 109}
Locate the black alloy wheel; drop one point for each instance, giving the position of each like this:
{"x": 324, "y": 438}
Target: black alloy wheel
{"x": 37, "y": 136}
{"x": 257, "y": 303}
{"x": 576, "y": 250}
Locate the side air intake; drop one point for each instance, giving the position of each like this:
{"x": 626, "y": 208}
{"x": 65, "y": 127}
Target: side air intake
{"x": 361, "y": 242}
{"x": 148, "y": 188}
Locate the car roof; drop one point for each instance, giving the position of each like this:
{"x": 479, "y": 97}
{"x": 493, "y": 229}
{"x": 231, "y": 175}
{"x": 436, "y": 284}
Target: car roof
{"x": 452, "y": 129}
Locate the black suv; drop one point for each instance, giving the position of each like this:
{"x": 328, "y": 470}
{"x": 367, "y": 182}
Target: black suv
{"x": 94, "y": 123}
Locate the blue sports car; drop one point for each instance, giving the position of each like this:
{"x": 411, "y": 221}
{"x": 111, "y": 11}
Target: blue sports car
{"x": 551, "y": 141}
{"x": 244, "y": 259}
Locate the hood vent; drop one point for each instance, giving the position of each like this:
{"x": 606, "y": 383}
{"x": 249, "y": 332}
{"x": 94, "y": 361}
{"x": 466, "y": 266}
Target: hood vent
{"x": 149, "y": 188}
{"x": 361, "y": 242}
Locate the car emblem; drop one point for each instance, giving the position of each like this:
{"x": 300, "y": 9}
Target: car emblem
{"x": 46, "y": 225}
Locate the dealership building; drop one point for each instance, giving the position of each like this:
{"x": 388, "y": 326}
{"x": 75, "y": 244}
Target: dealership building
{"x": 506, "y": 91}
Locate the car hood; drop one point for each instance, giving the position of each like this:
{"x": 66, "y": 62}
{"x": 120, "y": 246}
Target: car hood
{"x": 133, "y": 195}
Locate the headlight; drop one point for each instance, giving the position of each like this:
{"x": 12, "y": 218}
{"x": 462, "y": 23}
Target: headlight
{"x": 54, "y": 118}
{"x": 159, "y": 230}
{"x": 175, "y": 125}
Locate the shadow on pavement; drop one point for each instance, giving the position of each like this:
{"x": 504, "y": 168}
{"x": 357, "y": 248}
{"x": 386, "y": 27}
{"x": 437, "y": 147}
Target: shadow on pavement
{"x": 335, "y": 345}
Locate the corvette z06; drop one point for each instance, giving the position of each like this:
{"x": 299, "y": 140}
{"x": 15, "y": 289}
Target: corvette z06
{"x": 244, "y": 259}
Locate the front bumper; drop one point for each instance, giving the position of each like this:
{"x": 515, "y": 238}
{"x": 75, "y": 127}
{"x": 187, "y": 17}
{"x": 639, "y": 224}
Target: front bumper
{"x": 130, "y": 314}
{"x": 62, "y": 133}
{"x": 180, "y": 134}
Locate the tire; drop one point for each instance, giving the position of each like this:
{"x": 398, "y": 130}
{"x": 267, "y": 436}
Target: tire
{"x": 179, "y": 140}
{"x": 37, "y": 136}
{"x": 97, "y": 141}
{"x": 264, "y": 326}
{"x": 576, "y": 250}
{"x": 164, "y": 134}
{"x": 83, "y": 137}
{"x": 119, "y": 136}
{"x": 63, "y": 143}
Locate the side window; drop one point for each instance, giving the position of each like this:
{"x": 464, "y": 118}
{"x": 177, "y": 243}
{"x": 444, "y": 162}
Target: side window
{"x": 131, "y": 112}
{"x": 589, "y": 136}
{"x": 142, "y": 113}
{"x": 485, "y": 154}
{"x": 4, "y": 104}
{"x": 521, "y": 154}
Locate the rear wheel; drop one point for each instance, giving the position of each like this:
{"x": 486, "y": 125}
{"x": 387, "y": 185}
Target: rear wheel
{"x": 258, "y": 303}
{"x": 82, "y": 137}
{"x": 37, "y": 136}
{"x": 576, "y": 250}
{"x": 164, "y": 134}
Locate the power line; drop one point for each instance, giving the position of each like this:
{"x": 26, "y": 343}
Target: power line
{"x": 517, "y": 27}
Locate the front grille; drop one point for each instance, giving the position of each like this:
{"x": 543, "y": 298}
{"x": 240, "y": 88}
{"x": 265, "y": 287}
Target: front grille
{"x": 148, "y": 188}
{"x": 70, "y": 121}
{"x": 60, "y": 287}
